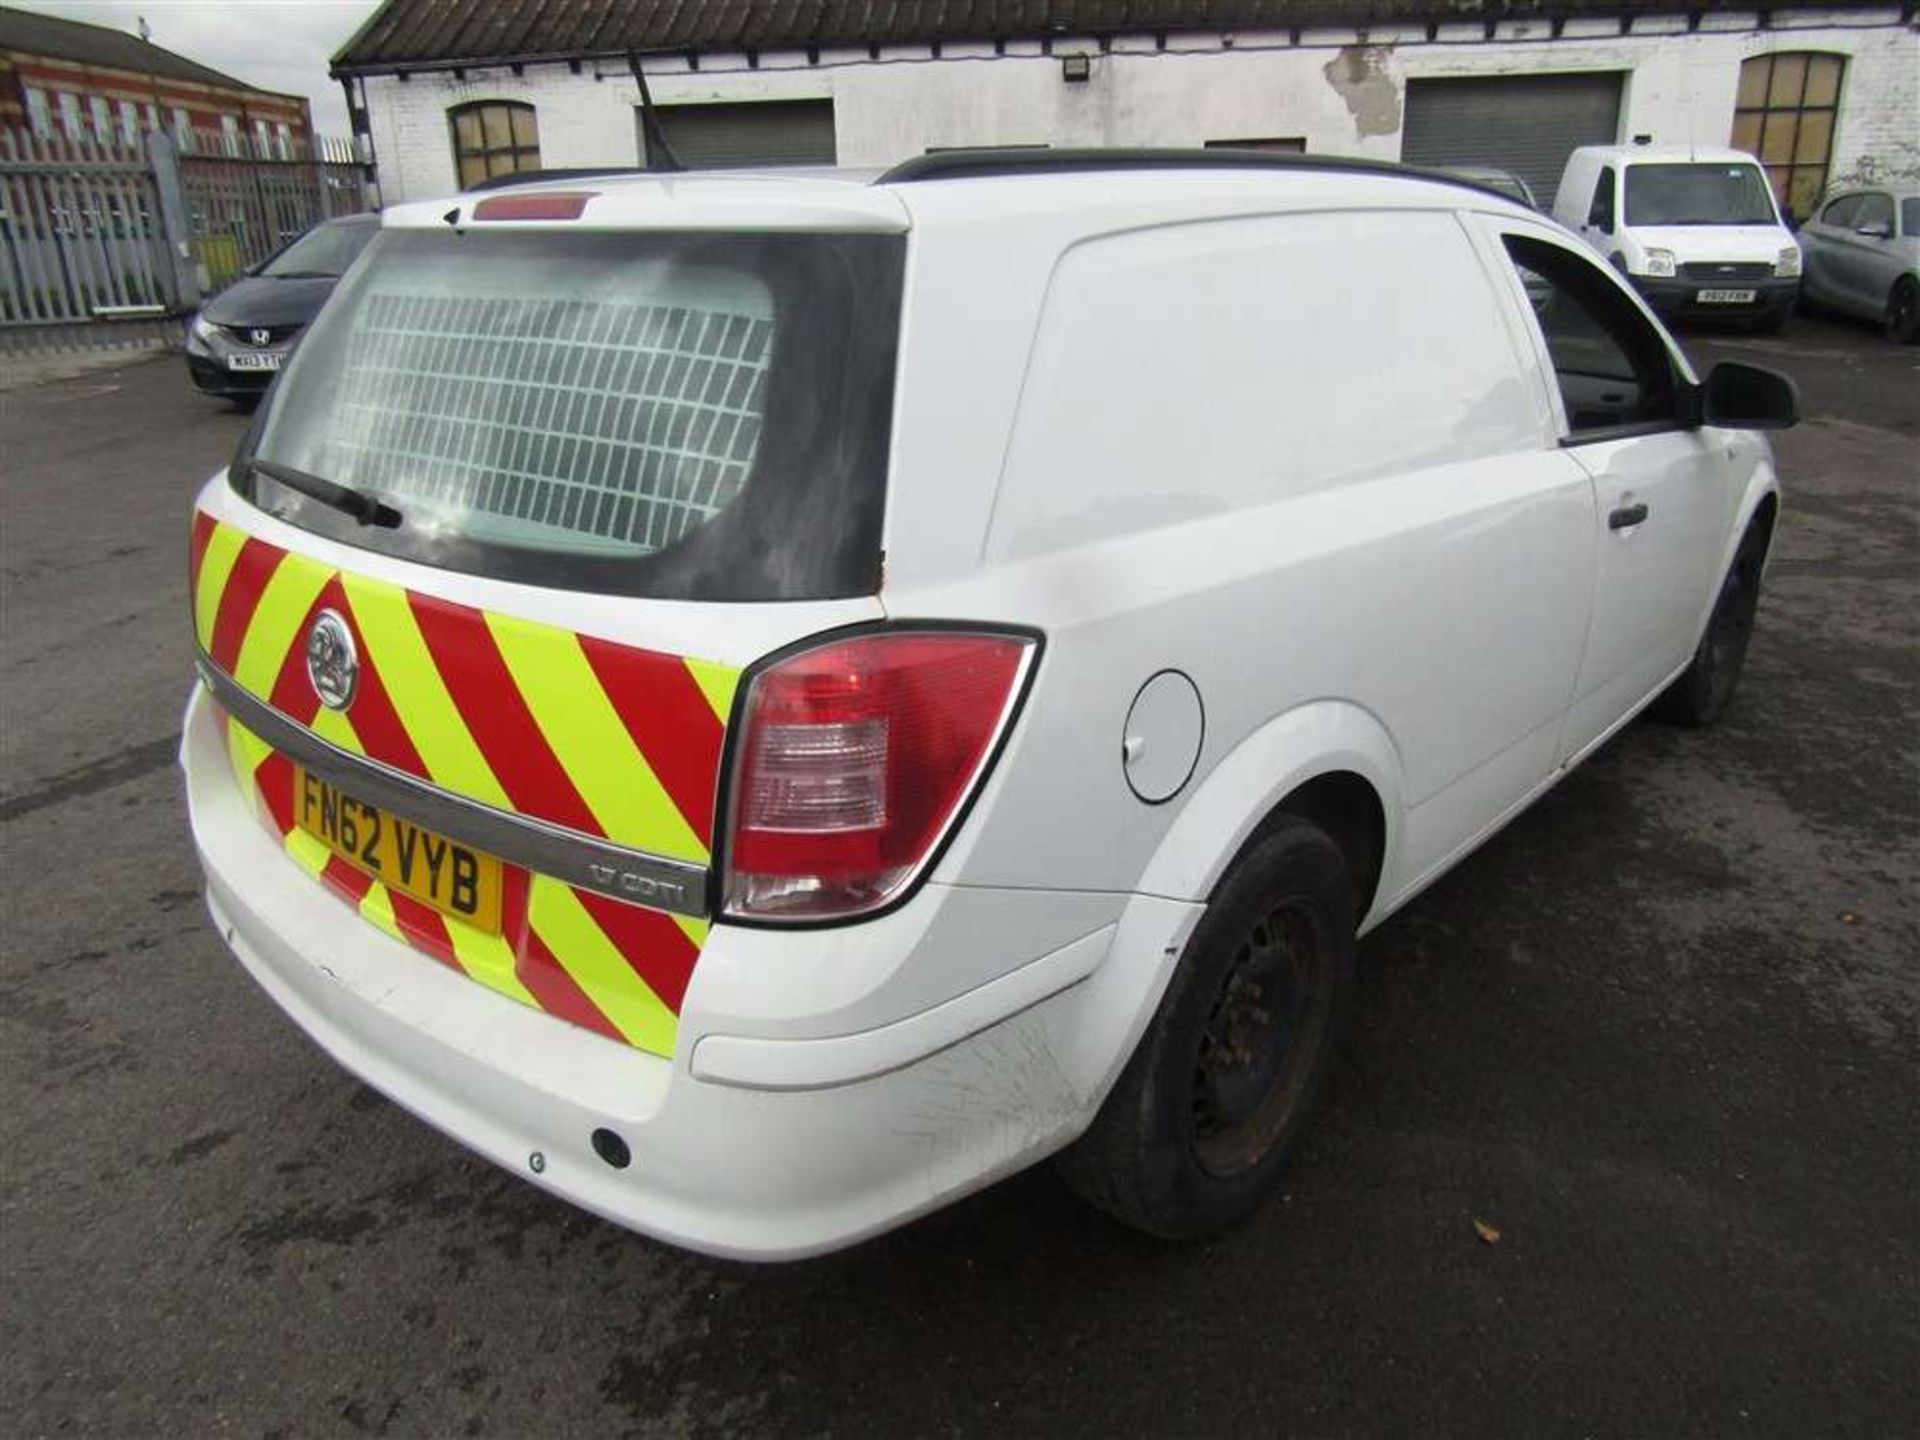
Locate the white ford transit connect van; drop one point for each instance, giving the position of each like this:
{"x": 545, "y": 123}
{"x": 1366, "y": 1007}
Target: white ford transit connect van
{"x": 764, "y": 703}
{"x": 1695, "y": 229}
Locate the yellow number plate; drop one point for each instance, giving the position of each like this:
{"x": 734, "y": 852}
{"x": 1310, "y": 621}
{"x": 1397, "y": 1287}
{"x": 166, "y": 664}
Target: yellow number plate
{"x": 451, "y": 878}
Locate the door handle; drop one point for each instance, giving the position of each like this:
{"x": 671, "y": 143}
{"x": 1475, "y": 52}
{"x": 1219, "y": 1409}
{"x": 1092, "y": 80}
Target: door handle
{"x": 1626, "y": 517}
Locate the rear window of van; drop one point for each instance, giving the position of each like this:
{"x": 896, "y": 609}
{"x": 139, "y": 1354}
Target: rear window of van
{"x": 689, "y": 416}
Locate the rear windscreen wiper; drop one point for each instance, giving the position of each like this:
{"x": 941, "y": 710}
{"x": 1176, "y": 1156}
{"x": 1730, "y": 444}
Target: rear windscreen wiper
{"x": 357, "y": 503}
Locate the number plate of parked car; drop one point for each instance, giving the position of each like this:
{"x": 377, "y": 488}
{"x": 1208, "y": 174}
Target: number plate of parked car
{"x": 451, "y": 878}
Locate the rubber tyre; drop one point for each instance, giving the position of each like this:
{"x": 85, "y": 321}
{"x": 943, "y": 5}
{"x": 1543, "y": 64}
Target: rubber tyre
{"x": 1152, "y": 1158}
{"x": 1901, "y": 323}
{"x": 1706, "y": 686}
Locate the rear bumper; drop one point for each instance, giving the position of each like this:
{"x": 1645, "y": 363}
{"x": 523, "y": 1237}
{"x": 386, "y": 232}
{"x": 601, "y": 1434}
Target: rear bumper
{"x": 748, "y": 1146}
{"x": 1676, "y": 299}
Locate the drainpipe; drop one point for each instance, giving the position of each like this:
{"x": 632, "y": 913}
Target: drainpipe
{"x": 362, "y": 140}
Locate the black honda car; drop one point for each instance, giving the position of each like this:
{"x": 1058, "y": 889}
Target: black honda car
{"x": 239, "y": 339}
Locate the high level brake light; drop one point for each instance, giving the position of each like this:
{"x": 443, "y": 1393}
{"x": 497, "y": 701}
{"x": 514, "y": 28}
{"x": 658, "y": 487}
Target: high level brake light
{"x": 539, "y": 205}
{"x": 855, "y": 758}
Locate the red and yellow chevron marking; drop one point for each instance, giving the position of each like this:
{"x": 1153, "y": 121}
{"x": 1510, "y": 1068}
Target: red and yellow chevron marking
{"x": 605, "y": 739}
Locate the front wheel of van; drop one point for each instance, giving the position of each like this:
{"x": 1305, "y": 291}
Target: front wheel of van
{"x": 1205, "y": 1116}
{"x": 1706, "y": 685}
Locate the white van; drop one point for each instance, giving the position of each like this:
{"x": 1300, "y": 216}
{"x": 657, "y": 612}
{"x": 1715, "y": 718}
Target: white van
{"x": 763, "y": 703}
{"x": 1695, "y": 229}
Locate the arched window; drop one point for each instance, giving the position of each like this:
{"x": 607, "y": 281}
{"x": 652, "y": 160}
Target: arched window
{"x": 493, "y": 137}
{"x": 1784, "y": 114}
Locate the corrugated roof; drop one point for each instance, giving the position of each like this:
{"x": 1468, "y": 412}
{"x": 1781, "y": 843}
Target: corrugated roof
{"x": 421, "y": 34}
{"x": 34, "y": 34}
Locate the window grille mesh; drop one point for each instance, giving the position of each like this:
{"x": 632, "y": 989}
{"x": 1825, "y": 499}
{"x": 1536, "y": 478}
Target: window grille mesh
{"x": 634, "y": 423}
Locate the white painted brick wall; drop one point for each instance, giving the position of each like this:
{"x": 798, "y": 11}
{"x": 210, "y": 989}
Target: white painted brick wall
{"x": 1879, "y": 131}
{"x": 1681, "y": 88}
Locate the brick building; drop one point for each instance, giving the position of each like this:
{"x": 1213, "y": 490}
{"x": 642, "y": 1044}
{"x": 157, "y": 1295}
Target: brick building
{"x": 448, "y": 91}
{"x": 87, "y": 82}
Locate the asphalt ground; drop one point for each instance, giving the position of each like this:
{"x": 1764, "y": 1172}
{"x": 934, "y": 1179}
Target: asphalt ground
{"x": 1662, "y": 1035}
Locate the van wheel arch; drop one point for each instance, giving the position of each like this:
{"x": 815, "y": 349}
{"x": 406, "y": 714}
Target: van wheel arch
{"x": 1203, "y": 1116}
{"x": 1347, "y": 808}
{"x": 1332, "y": 762}
{"x": 1762, "y": 520}
{"x": 1701, "y": 692}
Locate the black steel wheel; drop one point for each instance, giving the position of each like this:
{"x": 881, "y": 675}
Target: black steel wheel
{"x": 1902, "y": 321}
{"x": 1203, "y": 1119}
{"x": 1261, "y": 1041}
{"x": 1707, "y": 685}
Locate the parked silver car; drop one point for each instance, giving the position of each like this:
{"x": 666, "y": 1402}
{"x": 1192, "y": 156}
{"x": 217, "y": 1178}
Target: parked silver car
{"x": 1863, "y": 258}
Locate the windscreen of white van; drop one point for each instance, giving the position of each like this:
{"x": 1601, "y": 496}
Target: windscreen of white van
{"x": 687, "y": 416}
{"x": 1691, "y": 194}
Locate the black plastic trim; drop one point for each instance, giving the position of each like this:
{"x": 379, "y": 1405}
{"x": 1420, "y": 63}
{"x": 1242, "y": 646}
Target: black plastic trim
{"x": 978, "y": 164}
{"x": 1678, "y": 291}
{"x": 1624, "y": 432}
{"x": 588, "y": 862}
{"x": 1626, "y": 517}
{"x": 731, "y": 760}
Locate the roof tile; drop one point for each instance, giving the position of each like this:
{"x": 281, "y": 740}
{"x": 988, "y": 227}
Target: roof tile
{"x": 412, "y": 34}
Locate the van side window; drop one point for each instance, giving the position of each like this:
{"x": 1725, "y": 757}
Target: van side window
{"x": 1612, "y": 366}
{"x": 1601, "y": 212}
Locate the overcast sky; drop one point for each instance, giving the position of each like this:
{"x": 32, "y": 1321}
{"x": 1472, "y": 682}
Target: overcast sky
{"x": 274, "y": 44}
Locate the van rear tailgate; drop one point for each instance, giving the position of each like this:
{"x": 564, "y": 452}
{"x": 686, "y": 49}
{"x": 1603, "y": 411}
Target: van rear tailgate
{"x": 462, "y": 714}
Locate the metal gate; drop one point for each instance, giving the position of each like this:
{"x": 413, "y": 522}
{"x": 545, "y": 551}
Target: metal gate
{"x": 81, "y": 230}
{"x": 1528, "y": 124}
{"x": 244, "y": 202}
{"x": 108, "y": 240}
{"x": 750, "y": 134}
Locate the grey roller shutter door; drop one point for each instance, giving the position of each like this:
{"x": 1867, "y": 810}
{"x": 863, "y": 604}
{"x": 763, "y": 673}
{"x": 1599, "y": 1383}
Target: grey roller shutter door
{"x": 1528, "y": 124}
{"x": 744, "y": 136}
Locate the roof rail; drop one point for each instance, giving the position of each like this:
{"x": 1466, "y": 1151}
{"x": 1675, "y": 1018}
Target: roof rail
{"x": 549, "y": 177}
{"x": 973, "y": 164}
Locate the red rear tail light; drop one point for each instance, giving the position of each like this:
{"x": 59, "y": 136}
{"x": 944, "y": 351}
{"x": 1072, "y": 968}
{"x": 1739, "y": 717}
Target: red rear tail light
{"x": 854, "y": 759}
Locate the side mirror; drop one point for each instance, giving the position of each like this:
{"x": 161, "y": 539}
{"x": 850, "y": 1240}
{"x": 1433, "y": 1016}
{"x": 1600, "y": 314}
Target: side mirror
{"x": 1746, "y": 397}
{"x": 1876, "y": 230}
